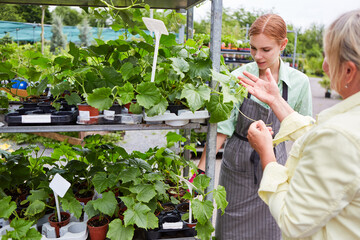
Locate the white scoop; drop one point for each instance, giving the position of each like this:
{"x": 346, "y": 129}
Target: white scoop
{"x": 158, "y": 27}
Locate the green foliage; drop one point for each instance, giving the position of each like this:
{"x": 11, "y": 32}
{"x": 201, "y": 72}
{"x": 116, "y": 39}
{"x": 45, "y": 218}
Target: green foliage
{"x": 6, "y": 39}
{"x": 313, "y": 66}
{"x": 23, "y": 13}
{"x": 203, "y": 208}
{"x": 325, "y": 83}
{"x": 22, "y": 230}
{"x": 117, "y": 231}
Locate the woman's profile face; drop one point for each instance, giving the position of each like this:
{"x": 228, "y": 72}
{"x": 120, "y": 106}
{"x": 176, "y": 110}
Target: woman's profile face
{"x": 265, "y": 50}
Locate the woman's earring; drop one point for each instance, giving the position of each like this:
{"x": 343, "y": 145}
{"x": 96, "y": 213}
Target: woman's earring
{"x": 346, "y": 85}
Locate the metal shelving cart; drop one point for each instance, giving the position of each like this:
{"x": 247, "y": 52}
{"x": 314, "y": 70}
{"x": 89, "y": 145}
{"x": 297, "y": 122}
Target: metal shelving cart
{"x": 215, "y": 52}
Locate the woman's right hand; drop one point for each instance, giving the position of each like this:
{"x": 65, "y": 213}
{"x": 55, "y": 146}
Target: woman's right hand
{"x": 266, "y": 90}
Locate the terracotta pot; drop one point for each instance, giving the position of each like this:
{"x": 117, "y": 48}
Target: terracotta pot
{"x": 128, "y": 105}
{"x": 97, "y": 232}
{"x": 65, "y": 219}
{"x": 88, "y": 114}
{"x": 84, "y": 200}
{"x": 190, "y": 225}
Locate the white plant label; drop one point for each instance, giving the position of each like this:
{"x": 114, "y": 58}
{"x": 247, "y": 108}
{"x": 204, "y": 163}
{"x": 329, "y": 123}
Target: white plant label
{"x": 59, "y": 185}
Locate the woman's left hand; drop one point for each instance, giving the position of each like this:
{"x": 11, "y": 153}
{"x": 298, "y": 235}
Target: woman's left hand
{"x": 266, "y": 90}
{"x": 260, "y": 138}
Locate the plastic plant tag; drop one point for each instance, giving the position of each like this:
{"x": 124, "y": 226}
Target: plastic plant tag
{"x": 59, "y": 185}
{"x": 158, "y": 27}
{"x": 172, "y": 225}
{"x": 190, "y": 186}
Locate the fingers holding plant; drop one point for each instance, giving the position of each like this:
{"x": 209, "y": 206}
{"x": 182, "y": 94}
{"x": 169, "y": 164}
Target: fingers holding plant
{"x": 260, "y": 138}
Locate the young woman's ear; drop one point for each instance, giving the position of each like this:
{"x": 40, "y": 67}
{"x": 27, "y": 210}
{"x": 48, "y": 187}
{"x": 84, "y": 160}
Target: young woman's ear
{"x": 283, "y": 44}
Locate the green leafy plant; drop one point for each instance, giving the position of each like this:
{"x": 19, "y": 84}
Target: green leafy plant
{"x": 203, "y": 209}
{"x": 22, "y": 228}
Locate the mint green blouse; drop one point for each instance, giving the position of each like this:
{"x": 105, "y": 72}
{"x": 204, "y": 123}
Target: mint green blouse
{"x": 299, "y": 93}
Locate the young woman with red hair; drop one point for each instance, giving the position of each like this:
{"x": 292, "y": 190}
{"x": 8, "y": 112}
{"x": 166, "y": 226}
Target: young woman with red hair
{"x": 247, "y": 216}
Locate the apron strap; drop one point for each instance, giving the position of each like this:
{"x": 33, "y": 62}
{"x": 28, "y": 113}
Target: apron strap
{"x": 254, "y": 157}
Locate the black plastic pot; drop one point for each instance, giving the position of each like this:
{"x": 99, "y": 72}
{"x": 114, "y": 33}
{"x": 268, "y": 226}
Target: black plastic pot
{"x": 174, "y": 108}
{"x": 183, "y": 208}
{"x": 328, "y": 94}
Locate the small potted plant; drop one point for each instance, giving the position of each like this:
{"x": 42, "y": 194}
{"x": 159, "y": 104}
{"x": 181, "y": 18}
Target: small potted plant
{"x": 325, "y": 83}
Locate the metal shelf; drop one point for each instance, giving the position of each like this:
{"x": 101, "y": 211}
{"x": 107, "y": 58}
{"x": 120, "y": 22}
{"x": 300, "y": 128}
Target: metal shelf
{"x": 238, "y": 61}
{"x": 87, "y": 128}
{"x": 159, "y": 4}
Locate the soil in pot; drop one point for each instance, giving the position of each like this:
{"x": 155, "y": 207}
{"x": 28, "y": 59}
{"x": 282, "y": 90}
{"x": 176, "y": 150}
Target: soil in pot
{"x": 98, "y": 227}
{"x": 65, "y": 219}
{"x": 168, "y": 207}
{"x": 84, "y": 196}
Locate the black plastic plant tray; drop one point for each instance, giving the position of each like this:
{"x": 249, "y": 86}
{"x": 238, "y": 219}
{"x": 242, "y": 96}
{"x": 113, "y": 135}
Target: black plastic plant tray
{"x": 36, "y": 117}
{"x": 171, "y": 233}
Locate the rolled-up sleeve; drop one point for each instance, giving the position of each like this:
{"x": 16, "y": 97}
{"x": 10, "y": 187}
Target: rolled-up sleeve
{"x": 292, "y": 127}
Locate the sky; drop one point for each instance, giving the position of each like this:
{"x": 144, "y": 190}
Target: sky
{"x": 299, "y": 13}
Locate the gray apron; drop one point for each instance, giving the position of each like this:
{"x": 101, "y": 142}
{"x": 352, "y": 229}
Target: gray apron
{"x": 247, "y": 216}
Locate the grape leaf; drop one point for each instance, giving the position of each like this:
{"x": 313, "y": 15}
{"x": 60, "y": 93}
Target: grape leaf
{"x": 117, "y": 231}
{"x": 196, "y": 97}
{"x": 203, "y": 210}
{"x": 220, "y": 198}
{"x": 107, "y": 204}
{"x": 205, "y": 230}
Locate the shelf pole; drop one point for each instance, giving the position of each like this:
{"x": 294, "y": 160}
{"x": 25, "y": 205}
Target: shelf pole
{"x": 187, "y": 154}
{"x": 190, "y": 23}
{"x": 294, "y": 57}
{"x": 215, "y": 52}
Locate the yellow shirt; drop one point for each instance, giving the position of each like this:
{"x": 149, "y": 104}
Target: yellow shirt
{"x": 316, "y": 195}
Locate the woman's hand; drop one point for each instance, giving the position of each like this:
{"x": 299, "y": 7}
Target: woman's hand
{"x": 266, "y": 90}
{"x": 260, "y": 138}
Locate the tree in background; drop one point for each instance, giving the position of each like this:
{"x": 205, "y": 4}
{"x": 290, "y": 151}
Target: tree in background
{"x": 32, "y": 13}
{"x": 6, "y": 39}
{"x": 8, "y": 12}
{"x": 233, "y": 23}
{"x": 85, "y": 33}
{"x": 70, "y": 16}
{"x": 58, "y": 39}
{"x": 23, "y": 13}
{"x": 310, "y": 43}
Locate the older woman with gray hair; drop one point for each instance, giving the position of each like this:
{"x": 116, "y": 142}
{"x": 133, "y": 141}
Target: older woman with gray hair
{"x": 316, "y": 195}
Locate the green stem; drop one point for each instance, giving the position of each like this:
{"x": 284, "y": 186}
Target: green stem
{"x": 249, "y": 118}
